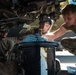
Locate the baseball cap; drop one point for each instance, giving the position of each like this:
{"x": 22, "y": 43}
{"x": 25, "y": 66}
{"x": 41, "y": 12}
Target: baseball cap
{"x": 45, "y": 18}
{"x": 4, "y": 29}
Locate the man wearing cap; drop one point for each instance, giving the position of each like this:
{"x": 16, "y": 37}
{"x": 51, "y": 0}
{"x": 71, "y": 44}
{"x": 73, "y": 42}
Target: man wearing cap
{"x": 5, "y": 44}
{"x": 45, "y": 25}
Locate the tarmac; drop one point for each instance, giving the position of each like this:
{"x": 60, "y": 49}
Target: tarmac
{"x": 66, "y": 58}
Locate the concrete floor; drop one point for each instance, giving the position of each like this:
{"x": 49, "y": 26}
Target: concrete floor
{"x": 66, "y": 59}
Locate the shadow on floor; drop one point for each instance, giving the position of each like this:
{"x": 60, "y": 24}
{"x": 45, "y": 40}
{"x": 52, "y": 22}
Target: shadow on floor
{"x": 64, "y": 72}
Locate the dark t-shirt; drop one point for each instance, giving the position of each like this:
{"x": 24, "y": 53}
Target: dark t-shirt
{"x": 73, "y": 28}
{"x": 5, "y": 46}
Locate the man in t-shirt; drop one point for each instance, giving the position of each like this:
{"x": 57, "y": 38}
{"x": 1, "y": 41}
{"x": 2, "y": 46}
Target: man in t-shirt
{"x": 69, "y": 15}
{"x": 6, "y": 45}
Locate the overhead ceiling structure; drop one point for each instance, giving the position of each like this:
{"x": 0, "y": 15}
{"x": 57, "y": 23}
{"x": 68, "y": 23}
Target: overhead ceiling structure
{"x": 27, "y": 11}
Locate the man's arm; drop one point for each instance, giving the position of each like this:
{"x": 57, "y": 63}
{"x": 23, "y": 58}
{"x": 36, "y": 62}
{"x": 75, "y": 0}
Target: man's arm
{"x": 56, "y": 34}
{"x": 10, "y": 44}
